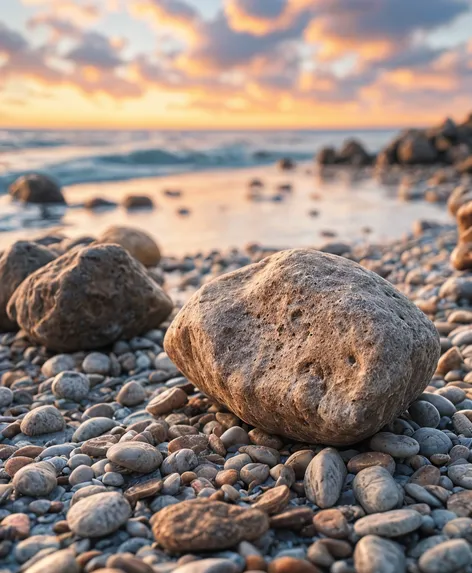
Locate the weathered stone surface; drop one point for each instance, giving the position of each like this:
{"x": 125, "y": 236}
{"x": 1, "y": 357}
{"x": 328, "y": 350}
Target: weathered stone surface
{"x": 42, "y": 420}
{"x": 324, "y": 478}
{"x": 202, "y": 525}
{"x": 389, "y": 524}
{"x": 35, "y": 480}
{"x": 98, "y": 515}
{"x": 138, "y": 243}
{"x": 135, "y": 456}
{"x": 36, "y": 188}
{"x": 16, "y": 263}
{"x": 376, "y": 555}
{"x": 307, "y": 345}
{"x": 71, "y": 385}
{"x": 58, "y": 562}
{"x": 447, "y": 557}
{"x": 376, "y": 490}
{"x": 88, "y": 298}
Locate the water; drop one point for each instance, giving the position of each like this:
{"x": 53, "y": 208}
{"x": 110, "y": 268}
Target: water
{"x": 74, "y": 157}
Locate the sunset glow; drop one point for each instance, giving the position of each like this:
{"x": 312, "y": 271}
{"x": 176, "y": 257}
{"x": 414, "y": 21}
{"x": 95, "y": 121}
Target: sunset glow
{"x": 234, "y": 63}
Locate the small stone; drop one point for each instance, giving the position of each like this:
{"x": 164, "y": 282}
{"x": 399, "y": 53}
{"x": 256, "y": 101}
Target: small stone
{"x": 448, "y": 557}
{"x": 376, "y": 490}
{"x": 432, "y": 441}
{"x": 98, "y": 515}
{"x": 81, "y": 474}
{"x": 461, "y": 475}
{"x": 444, "y": 406}
{"x": 461, "y": 503}
{"x": 138, "y": 457}
{"x": 71, "y": 386}
{"x": 42, "y": 420}
{"x": 212, "y": 565}
{"x": 332, "y": 523}
{"x": 197, "y": 443}
{"x": 369, "y": 459}
{"x": 389, "y": 524}
{"x": 272, "y": 501}
{"x": 203, "y": 525}
{"x": 324, "y": 478}
{"x": 35, "y": 480}
{"x": 93, "y": 428}
{"x": 234, "y": 436}
{"x": 16, "y": 463}
{"x": 376, "y": 555}
{"x": 131, "y": 394}
{"x": 30, "y": 547}
{"x": 290, "y": 565}
{"x": 254, "y": 473}
{"x": 459, "y": 528}
{"x": 96, "y": 363}
{"x": 20, "y": 522}
{"x": 6, "y": 397}
{"x": 167, "y": 401}
{"x": 395, "y": 445}
{"x": 58, "y": 562}
{"x": 424, "y": 414}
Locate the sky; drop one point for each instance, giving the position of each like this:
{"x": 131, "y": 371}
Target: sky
{"x": 234, "y": 63}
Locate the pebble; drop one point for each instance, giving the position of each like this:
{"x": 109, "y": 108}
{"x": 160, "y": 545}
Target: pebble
{"x": 444, "y": 406}
{"x": 57, "y": 364}
{"x": 70, "y": 385}
{"x": 167, "y": 401}
{"x": 213, "y": 565}
{"x": 234, "y": 436}
{"x": 448, "y": 557}
{"x": 42, "y": 420}
{"x": 389, "y": 524}
{"x": 81, "y": 474}
{"x": 290, "y": 565}
{"x": 324, "y": 478}
{"x": 376, "y": 555}
{"x": 138, "y": 457}
{"x": 376, "y": 490}
{"x": 131, "y": 394}
{"x": 35, "y": 480}
{"x": 59, "y": 562}
{"x": 461, "y": 475}
{"x": 93, "y": 428}
{"x": 98, "y": 515}
{"x": 332, "y": 523}
{"x": 369, "y": 459}
{"x": 432, "y": 441}
{"x": 395, "y": 445}
{"x": 179, "y": 462}
{"x": 424, "y": 414}
{"x": 96, "y": 363}
{"x": 6, "y": 397}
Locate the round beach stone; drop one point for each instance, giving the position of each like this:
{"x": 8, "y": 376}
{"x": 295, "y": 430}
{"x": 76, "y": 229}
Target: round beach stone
{"x": 93, "y": 428}
{"x": 181, "y": 461}
{"x": 98, "y": 515}
{"x": 96, "y": 363}
{"x": 376, "y": 490}
{"x": 212, "y": 565}
{"x": 71, "y": 385}
{"x": 432, "y": 441}
{"x": 87, "y": 299}
{"x": 397, "y": 446}
{"x": 424, "y": 414}
{"x": 57, "y": 364}
{"x": 460, "y": 528}
{"x": 444, "y": 406}
{"x": 139, "y": 244}
{"x": 376, "y": 555}
{"x": 332, "y": 523}
{"x": 448, "y": 557}
{"x": 131, "y": 394}
{"x": 167, "y": 401}
{"x": 324, "y": 478}
{"x": 389, "y": 524}
{"x": 461, "y": 475}
{"x": 36, "y": 188}
{"x": 58, "y": 562}
{"x": 35, "y": 480}
{"x": 138, "y": 457}
{"x": 42, "y": 420}
{"x": 370, "y": 459}
{"x": 322, "y": 350}
{"x": 204, "y": 525}
{"x": 6, "y": 397}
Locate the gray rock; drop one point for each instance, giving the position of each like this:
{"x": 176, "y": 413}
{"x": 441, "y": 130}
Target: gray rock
{"x": 136, "y": 456}
{"x": 461, "y": 475}
{"x": 35, "y": 480}
{"x": 213, "y": 565}
{"x": 6, "y": 397}
{"x": 432, "y": 441}
{"x": 448, "y": 557}
{"x": 96, "y": 363}
{"x": 459, "y": 528}
{"x": 71, "y": 386}
{"x": 183, "y": 460}
{"x": 324, "y": 478}
{"x": 59, "y": 562}
{"x": 131, "y": 394}
{"x": 351, "y": 352}
{"x": 444, "y": 406}
{"x": 389, "y": 524}
{"x": 98, "y": 515}
{"x": 42, "y": 420}
{"x": 424, "y": 414}
{"x": 376, "y": 490}
{"x": 376, "y": 555}
{"x": 93, "y": 428}
{"x": 57, "y": 364}
{"x": 397, "y": 446}
{"x": 28, "y": 548}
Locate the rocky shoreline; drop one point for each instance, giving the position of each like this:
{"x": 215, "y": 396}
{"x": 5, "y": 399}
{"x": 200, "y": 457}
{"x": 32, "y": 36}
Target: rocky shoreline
{"x": 112, "y": 461}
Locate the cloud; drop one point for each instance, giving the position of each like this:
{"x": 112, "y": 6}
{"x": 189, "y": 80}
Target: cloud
{"x": 95, "y": 50}
{"x": 11, "y": 42}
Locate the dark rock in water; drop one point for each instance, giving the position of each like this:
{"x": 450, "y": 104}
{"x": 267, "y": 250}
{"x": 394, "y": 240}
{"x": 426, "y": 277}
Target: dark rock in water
{"x": 415, "y": 148}
{"x": 286, "y": 164}
{"x": 89, "y": 298}
{"x": 16, "y": 263}
{"x": 307, "y": 345}
{"x": 138, "y": 202}
{"x": 99, "y": 203}
{"x": 353, "y": 153}
{"x": 326, "y": 156}
{"x": 36, "y": 188}
{"x": 138, "y": 243}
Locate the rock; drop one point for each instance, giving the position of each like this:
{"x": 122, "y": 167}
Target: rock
{"x": 424, "y": 414}
{"x": 167, "y": 401}
{"x": 376, "y": 555}
{"x": 203, "y": 525}
{"x": 448, "y": 557}
{"x": 389, "y": 524}
{"x": 289, "y": 564}
{"x": 36, "y": 188}
{"x": 460, "y": 196}
{"x": 371, "y": 459}
{"x": 16, "y": 263}
{"x": 42, "y": 420}
{"x": 324, "y": 478}
{"x": 353, "y": 153}
{"x": 93, "y": 428}
{"x": 332, "y": 523}
{"x": 432, "y": 441}
{"x": 131, "y": 394}
{"x": 6, "y": 397}
{"x": 180, "y": 462}
{"x": 395, "y": 445}
{"x": 460, "y": 528}
{"x": 58, "y": 562}
{"x": 99, "y": 203}
{"x": 376, "y": 490}
{"x": 138, "y": 243}
{"x": 322, "y": 350}
{"x": 96, "y": 363}
{"x": 465, "y": 166}
{"x": 70, "y": 385}
{"x": 98, "y": 515}
{"x": 58, "y": 364}
{"x": 136, "y": 456}
{"x": 273, "y": 500}
{"x": 461, "y": 503}
{"x": 326, "y": 156}
{"x": 35, "y": 480}
{"x": 461, "y": 475}
{"x": 415, "y": 149}
{"x": 212, "y": 565}
{"x": 461, "y": 256}
{"x": 76, "y": 302}
{"x": 138, "y": 202}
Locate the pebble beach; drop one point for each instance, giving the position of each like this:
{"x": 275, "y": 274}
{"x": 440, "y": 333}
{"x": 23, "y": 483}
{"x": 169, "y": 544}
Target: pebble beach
{"x": 230, "y": 407}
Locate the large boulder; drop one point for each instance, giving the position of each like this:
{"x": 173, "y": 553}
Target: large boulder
{"x": 326, "y": 156}
{"x": 36, "y": 188}
{"x": 307, "y": 345}
{"x": 16, "y": 263}
{"x": 415, "y": 148}
{"x": 353, "y": 153}
{"x": 88, "y": 298}
{"x": 138, "y": 243}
